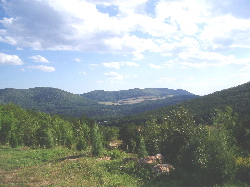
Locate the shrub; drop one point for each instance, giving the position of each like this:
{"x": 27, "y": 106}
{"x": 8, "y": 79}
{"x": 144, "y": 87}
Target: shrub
{"x": 115, "y": 154}
{"x": 81, "y": 144}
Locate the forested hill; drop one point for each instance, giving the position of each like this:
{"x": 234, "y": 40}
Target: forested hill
{"x": 114, "y": 96}
{"x": 238, "y": 98}
{"x": 53, "y": 100}
{"x": 46, "y": 99}
{"x": 42, "y": 96}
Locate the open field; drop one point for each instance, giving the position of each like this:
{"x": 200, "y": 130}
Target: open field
{"x": 134, "y": 100}
{"x": 62, "y": 167}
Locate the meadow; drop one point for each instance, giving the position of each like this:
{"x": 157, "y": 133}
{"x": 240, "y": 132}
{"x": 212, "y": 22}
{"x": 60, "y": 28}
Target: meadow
{"x": 24, "y": 166}
{"x": 62, "y": 167}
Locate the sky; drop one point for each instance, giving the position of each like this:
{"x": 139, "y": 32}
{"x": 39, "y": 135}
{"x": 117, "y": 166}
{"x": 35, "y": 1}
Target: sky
{"x": 201, "y": 46}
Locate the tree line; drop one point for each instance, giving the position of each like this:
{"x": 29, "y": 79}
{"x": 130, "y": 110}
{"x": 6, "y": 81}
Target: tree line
{"x": 20, "y": 127}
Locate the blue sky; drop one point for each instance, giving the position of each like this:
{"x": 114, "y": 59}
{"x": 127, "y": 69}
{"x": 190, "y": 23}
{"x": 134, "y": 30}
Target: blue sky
{"x": 201, "y": 46}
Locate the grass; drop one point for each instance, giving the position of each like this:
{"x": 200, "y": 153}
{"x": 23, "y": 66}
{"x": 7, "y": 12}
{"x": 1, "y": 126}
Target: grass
{"x": 62, "y": 167}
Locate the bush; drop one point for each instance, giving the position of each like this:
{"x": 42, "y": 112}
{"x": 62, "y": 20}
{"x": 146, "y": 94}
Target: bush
{"x": 115, "y": 154}
{"x": 81, "y": 144}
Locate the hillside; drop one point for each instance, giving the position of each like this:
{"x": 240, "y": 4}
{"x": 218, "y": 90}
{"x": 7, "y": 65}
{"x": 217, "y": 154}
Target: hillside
{"x": 114, "y": 96}
{"x": 238, "y": 98}
{"x": 45, "y": 96}
{"x": 53, "y": 100}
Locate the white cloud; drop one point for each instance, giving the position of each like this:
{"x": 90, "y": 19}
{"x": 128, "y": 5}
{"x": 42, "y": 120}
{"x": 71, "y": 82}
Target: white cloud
{"x": 138, "y": 56}
{"x": 170, "y": 63}
{"x": 10, "y": 59}
{"x": 131, "y": 64}
{"x": 225, "y": 32}
{"x": 83, "y": 72}
{"x": 117, "y": 65}
{"x": 114, "y": 76}
{"x": 175, "y": 27}
{"x": 42, "y": 68}
{"x": 77, "y": 60}
{"x": 39, "y": 58}
{"x": 155, "y": 66}
{"x": 166, "y": 80}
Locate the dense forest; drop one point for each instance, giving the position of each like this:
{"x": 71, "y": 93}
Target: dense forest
{"x": 207, "y": 139}
{"x": 56, "y": 101}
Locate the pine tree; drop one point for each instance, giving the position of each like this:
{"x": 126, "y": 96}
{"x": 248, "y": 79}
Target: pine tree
{"x": 97, "y": 147}
{"x": 142, "y": 152}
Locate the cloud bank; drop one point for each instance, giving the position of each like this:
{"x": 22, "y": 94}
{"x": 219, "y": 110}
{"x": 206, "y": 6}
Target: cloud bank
{"x": 87, "y": 26}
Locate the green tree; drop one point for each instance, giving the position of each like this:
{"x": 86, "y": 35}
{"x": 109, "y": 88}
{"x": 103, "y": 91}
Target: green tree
{"x": 176, "y": 131}
{"x": 151, "y": 133}
{"x": 129, "y": 136}
{"x": 81, "y": 144}
{"x": 44, "y": 138}
{"x": 211, "y": 155}
{"x": 142, "y": 152}
{"x": 13, "y": 140}
{"x": 97, "y": 147}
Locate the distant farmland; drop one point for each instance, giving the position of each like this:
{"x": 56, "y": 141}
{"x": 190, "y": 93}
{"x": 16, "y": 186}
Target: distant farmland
{"x": 134, "y": 100}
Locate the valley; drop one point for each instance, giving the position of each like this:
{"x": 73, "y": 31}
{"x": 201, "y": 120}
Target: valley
{"x": 70, "y": 135}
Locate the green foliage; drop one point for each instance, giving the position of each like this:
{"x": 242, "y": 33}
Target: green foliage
{"x": 109, "y": 134}
{"x": 178, "y": 128}
{"x": 56, "y": 101}
{"x": 44, "y": 138}
{"x": 81, "y": 144}
{"x": 129, "y": 136}
{"x": 13, "y": 140}
{"x": 115, "y": 154}
{"x": 101, "y": 95}
{"x": 97, "y": 147}
{"x": 211, "y": 157}
{"x": 152, "y": 132}
{"x": 205, "y": 152}
{"x": 31, "y": 128}
{"x": 142, "y": 152}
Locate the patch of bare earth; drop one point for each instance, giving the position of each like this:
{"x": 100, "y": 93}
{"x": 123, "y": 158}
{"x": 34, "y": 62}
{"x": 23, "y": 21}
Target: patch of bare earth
{"x": 8, "y": 177}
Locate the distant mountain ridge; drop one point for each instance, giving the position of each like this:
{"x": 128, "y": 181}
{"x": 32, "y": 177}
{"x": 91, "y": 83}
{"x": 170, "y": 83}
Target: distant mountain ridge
{"x": 54, "y": 100}
{"x": 104, "y": 96}
{"x": 40, "y": 95}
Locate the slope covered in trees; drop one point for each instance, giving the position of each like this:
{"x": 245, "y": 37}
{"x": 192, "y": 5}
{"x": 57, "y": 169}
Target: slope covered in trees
{"x": 238, "y": 98}
{"x": 52, "y": 100}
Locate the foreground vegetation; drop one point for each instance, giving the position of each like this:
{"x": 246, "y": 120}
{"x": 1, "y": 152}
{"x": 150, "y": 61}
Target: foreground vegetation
{"x": 62, "y": 167}
{"x": 39, "y": 149}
